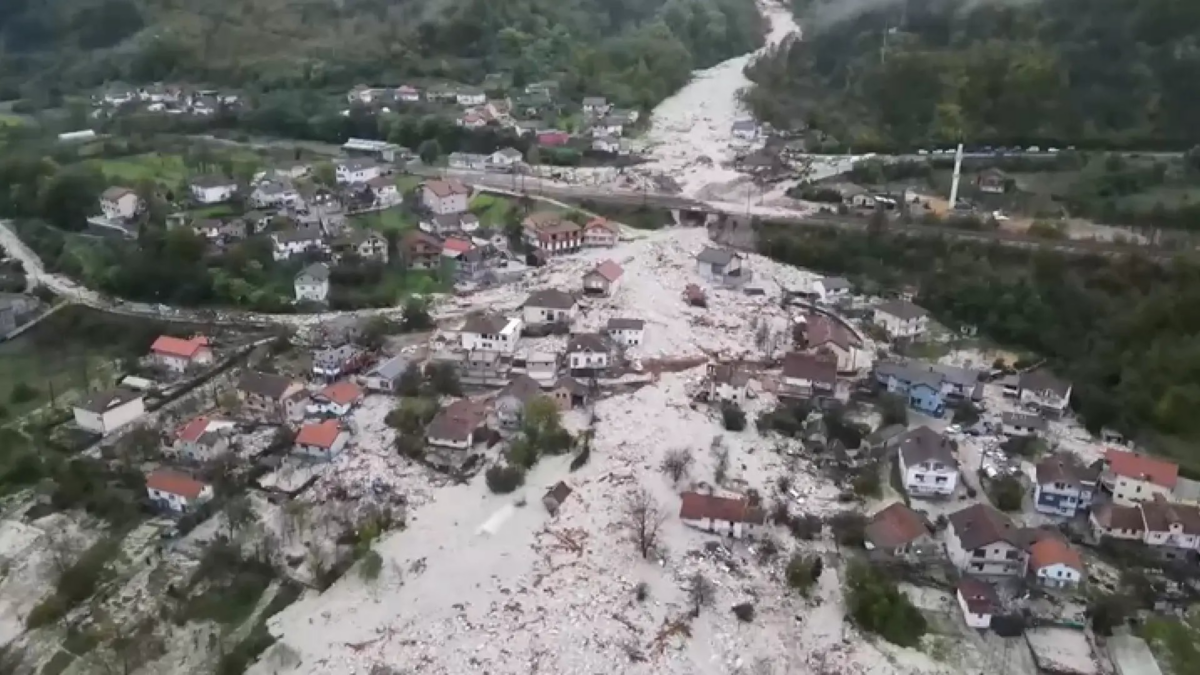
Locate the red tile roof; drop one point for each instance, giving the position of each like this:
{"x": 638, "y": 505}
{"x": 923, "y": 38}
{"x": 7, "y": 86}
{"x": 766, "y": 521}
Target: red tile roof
{"x": 341, "y": 393}
{"x": 173, "y": 346}
{"x": 696, "y": 506}
{"x": 1052, "y": 551}
{"x": 445, "y": 188}
{"x": 321, "y": 435}
{"x": 895, "y": 526}
{"x": 1142, "y": 467}
{"x": 173, "y": 482}
{"x": 600, "y": 223}
{"x": 979, "y": 596}
{"x": 193, "y": 430}
{"x": 609, "y": 270}
{"x": 457, "y": 245}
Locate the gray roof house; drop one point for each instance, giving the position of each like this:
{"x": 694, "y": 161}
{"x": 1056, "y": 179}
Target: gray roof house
{"x": 923, "y": 444}
{"x": 510, "y": 404}
{"x": 721, "y": 266}
{"x": 385, "y": 375}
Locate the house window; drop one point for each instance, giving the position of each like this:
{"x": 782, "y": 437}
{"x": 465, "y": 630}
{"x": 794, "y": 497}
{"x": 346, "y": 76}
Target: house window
{"x": 978, "y": 567}
{"x": 920, "y": 477}
{"x": 941, "y": 480}
{"x": 1011, "y": 555}
{"x": 980, "y": 553}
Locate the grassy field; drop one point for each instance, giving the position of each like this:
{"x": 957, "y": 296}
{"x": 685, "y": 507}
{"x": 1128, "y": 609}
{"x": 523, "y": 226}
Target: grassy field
{"x": 491, "y": 210}
{"x": 1175, "y": 643}
{"x": 67, "y": 354}
{"x": 168, "y": 170}
{"x": 406, "y": 182}
{"x": 396, "y": 220}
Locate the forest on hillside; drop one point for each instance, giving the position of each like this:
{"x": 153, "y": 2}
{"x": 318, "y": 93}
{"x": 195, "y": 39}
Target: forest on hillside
{"x": 633, "y": 51}
{"x": 906, "y": 74}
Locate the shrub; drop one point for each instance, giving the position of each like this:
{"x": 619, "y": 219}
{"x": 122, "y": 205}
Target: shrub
{"x": 1007, "y": 493}
{"x": 867, "y": 482}
{"x": 848, "y": 527}
{"x": 878, "y": 606}
{"x": 802, "y": 572}
{"x": 370, "y": 566}
{"x": 893, "y": 409}
{"x": 22, "y": 393}
{"x": 744, "y": 612}
{"x": 504, "y": 479}
{"x": 733, "y": 417}
{"x": 806, "y": 526}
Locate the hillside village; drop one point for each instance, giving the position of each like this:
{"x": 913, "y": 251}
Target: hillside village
{"x": 652, "y": 423}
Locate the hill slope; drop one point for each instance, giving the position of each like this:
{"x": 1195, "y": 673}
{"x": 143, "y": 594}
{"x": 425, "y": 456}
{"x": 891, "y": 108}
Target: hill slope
{"x": 912, "y": 72}
{"x": 636, "y": 51}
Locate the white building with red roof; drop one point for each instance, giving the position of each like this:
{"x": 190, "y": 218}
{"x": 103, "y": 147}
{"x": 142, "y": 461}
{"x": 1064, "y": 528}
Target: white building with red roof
{"x": 338, "y": 399}
{"x": 733, "y": 516}
{"x": 321, "y": 440}
{"x": 203, "y": 438}
{"x": 599, "y": 232}
{"x": 176, "y": 491}
{"x": 178, "y": 354}
{"x": 1133, "y": 478}
{"x": 603, "y": 279}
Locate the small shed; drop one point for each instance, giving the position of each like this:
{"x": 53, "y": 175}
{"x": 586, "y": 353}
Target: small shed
{"x": 555, "y": 497}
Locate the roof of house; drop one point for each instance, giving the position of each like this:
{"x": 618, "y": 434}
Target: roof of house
{"x": 103, "y": 401}
{"x": 174, "y": 482}
{"x": 551, "y": 298}
{"x": 114, "y": 193}
{"x": 1023, "y": 420}
{"x": 173, "y": 346}
{"x": 212, "y": 180}
{"x": 602, "y": 223}
{"x": 716, "y": 256}
{"x": 445, "y": 188}
{"x": 608, "y": 269}
{"x": 523, "y": 387}
{"x": 1117, "y": 517}
{"x": 1142, "y": 467}
{"x": 625, "y": 324}
{"x": 571, "y": 384}
{"x": 1041, "y": 380}
{"x": 594, "y": 100}
{"x": 820, "y": 329}
{"x": 456, "y": 245}
{"x": 588, "y": 342}
{"x": 910, "y": 373}
{"x": 924, "y": 444}
{"x": 193, "y": 430}
{"x": 979, "y": 596}
{"x": 485, "y": 324}
{"x": 1050, "y": 551}
{"x": 901, "y": 309}
{"x": 509, "y": 153}
{"x": 1160, "y": 515}
{"x": 810, "y": 367}
{"x": 265, "y": 384}
{"x": 696, "y": 506}
{"x": 321, "y": 434}
{"x": 414, "y": 238}
{"x": 1065, "y": 467}
{"x": 744, "y": 125}
{"x": 885, "y": 434}
{"x": 457, "y": 421}
{"x": 980, "y": 525}
{"x": 728, "y": 373}
{"x": 315, "y": 271}
{"x": 341, "y": 393}
{"x": 357, "y": 163}
{"x": 836, "y": 283}
{"x": 894, "y": 526}
{"x": 389, "y": 369}
{"x": 559, "y": 492}
{"x": 311, "y": 233}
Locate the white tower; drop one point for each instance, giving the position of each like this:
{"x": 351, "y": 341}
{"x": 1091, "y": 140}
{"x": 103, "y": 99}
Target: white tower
{"x": 957, "y": 175}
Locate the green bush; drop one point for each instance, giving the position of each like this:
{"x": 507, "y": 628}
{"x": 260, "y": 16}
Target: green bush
{"x": 803, "y": 572}
{"x": 370, "y": 566}
{"x": 1007, "y": 493}
{"x": 22, "y": 393}
{"x": 504, "y": 479}
{"x": 878, "y": 606}
{"x": 733, "y": 417}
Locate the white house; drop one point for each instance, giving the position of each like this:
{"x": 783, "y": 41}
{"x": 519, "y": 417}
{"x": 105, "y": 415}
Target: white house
{"x": 321, "y": 440}
{"x": 1133, "y": 478}
{"x": 928, "y": 466}
{"x": 735, "y": 517}
{"x": 1175, "y": 526}
{"x": 1054, "y": 564}
{"x": 357, "y": 170}
{"x": 385, "y": 190}
{"x": 384, "y": 377}
{"x": 213, "y": 189}
{"x": 106, "y": 411}
{"x": 980, "y": 540}
{"x": 595, "y": 105}
{"x": 599, "y": 232}
{"x": 288, "y": 243}
{"x": 978, "y": 602}
{"x": 312, "y": 283}
{"x": 338, "y": 399}
{"x": 176, "y": 491}
{"x": 542, "y": 367}
{"x": 609, "y": 126}
{"x": 901, "y": 319}
{"x": 408, "y": 94}
{"x": 1063, "y": 486}
{"x": 445, "y": 196}
{"x": 491, "y": 332}
{"x": 606, "y": 144}
{"x": 831, "y": 289}
{"x": 470, "y": 96}
{"x": 745, "y": 130}
{"x": 1117, "y": 522}
{"x": 118, "y": 203}
{"x": 549, "y": 306}
{"x": 504, "y": 159}
{"x": 178, "y": 355}
{"x": 626, "y": 332}
{"x": 1020, "y": 424}
{"x": 716, "y": 264}
{"x": 203, "y": 439}
{"x": 603, "y": 280}
{"x": 456, "y": 425}
{"x": 1042, "y": 389}
{"x": 588, "y": 353}
{"x": 727, "y": 383}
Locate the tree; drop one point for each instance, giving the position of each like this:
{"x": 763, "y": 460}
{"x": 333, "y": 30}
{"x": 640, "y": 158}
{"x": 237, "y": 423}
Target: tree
{"x": 370, "y": 566}
{"x": 375, "y": 331}
{"x": 429, "y": 151}
{"x": 238, "y": 514}
{"x": 966, "y": 414}
{"x": 849, "y": 528}
{"x": 1007, "y": 493}
{"x": 701, "y": 592}
{"x": 802, "y": 572}
{"x": 410, "y": 381}
{"x": 22, "y": 393}
{"x": 878, "y": 606}
{"x": 323, "y": 173}
{"x": 893, "y": 409}
{"x": 443, "y": 377}
{"x": 70, "y": 196}
{"x": 677, "y": 463}
{"x": 643, "y": 519}
{"x": 416, "y": 314}
{"x": 504, "y": 479}
{"x": 733, "y": 417}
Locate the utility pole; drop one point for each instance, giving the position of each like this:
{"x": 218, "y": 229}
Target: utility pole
{"x": 957, "y": 175}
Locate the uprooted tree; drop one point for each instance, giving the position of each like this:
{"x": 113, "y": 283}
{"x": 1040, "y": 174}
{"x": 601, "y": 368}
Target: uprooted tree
{"x": 644, "y": 518}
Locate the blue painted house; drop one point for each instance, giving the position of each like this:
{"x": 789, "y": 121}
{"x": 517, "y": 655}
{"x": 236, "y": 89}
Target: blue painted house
{"x": 920, "y": 386}
{"x": 1063, "y": 486}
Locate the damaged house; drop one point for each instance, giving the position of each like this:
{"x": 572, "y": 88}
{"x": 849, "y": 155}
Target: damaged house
{"x": 510, "y": 404}
{"x": 589, "y": 355}
{"x": 736, "y": 517}
{"x": 457, "y": 426}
